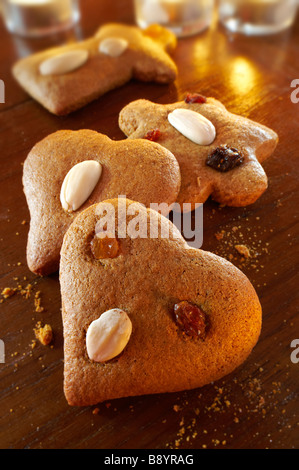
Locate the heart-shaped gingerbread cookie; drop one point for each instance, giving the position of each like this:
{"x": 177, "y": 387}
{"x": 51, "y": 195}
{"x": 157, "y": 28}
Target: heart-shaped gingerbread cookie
{"x": 219, "y": 153}
{"x": 68, "y": 171}
{"x": 149, "y": 315}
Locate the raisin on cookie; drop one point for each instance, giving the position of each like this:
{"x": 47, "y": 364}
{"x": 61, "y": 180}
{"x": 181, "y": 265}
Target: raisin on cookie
{"x": 219, "y": 153}
{"x": 70, "y": 170}
{"x": 65, "y": 78}
{"x": 157, "y": 316}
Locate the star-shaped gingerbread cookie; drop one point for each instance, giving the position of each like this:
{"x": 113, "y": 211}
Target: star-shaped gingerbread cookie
{"x": 70, "y": 170}
{"x": 66, "y": 78}
{"x": 150, "y": 316}
{"x": 219, "y": 153}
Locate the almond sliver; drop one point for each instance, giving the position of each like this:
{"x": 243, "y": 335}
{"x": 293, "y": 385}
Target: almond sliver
{"x": 194, "y": 126}
{"x": 79, "y": 183}
{"x": 64, "y": 63}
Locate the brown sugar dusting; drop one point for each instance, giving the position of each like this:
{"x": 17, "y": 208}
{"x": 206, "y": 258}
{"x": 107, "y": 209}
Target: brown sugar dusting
{"x": 198, "y": 422}
{"x": 241, "y": 244}
{"x": 43, "y": 334}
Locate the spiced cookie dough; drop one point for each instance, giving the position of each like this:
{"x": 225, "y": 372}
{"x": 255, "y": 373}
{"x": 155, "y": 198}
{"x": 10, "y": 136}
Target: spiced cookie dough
{"x": 150, "y": 315}
{"x": 66, "y": 78}
{"x": 219, "y": 153}
{"x": 68, "y": 171}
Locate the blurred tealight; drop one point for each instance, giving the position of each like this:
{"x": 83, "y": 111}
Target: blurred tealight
{"x": 257, "y": 17}
{"x": 183, "y": 17}
{"x": 35, "y": 18}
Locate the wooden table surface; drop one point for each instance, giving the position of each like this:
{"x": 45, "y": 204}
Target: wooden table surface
{"x": 257, "y": 405}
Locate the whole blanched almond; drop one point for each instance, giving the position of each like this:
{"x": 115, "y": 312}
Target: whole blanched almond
{"x": 107, "y": 336}
{"x": 113, "y": 46}
{"x": 193, "y": 125}
{"x": 79, "y": 183}
{"x": 64, "y": 63}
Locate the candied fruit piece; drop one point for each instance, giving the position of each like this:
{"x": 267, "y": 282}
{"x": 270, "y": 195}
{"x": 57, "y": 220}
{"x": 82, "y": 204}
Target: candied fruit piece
{"x": 104, "y": 247}
{"x": 225, "y": 158}
{"x": 162, "y": 35}
{"x": 191, "y": 319}
{"x": 195, "y": 98}
{"x": 153, "y": 135}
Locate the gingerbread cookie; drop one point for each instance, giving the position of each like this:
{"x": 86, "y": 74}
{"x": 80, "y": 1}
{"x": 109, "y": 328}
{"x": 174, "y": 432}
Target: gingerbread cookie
{"x": 66, "y": 78}
{"x": 68, "y": 171}
{"x": 219, "y": 153}
{"x": 147, "y": 315}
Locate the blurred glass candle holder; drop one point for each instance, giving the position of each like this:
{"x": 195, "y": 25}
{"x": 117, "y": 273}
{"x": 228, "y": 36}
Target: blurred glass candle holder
{"x": 36, "y": 18}
{"x": 257, "y": 17}
{"x": 182, "y": 17}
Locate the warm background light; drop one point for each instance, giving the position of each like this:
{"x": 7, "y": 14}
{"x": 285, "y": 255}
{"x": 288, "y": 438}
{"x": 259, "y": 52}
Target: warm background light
{"x": 243, "y": 75}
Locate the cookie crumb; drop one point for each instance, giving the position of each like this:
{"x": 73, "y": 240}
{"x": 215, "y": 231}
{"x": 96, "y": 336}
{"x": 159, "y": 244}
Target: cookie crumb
{"x": 26, "y": 291}
{"x": 219, "y": 235}
{"x": 37, "y": 303}
{"x": 243, "y": 250}
{"x": 43, "y": 334}
{"x": 8, "y": 292}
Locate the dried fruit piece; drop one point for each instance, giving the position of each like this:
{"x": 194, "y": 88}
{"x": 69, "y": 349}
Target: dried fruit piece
{"x": 193, "y": 125}
{"x": 161, "y": 35}
{"x": 225, "y": 158}
{"x": 195, "y": 98}
{"x": 64, "y": 63}
{"x": 107, "y": 336}
{"x": 104, "y": 247}
{"x": 113, "y": 46}
{"x": 153, "y": 135}
{"x": 191, "y": 319}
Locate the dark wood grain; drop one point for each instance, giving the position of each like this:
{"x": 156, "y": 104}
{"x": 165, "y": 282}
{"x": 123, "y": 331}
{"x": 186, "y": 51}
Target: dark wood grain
{"x": 257, "y": 405}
